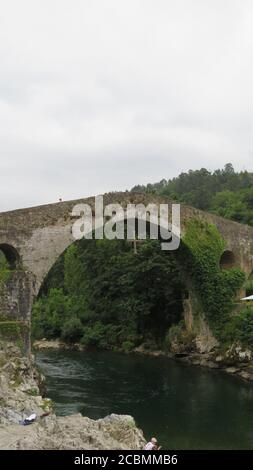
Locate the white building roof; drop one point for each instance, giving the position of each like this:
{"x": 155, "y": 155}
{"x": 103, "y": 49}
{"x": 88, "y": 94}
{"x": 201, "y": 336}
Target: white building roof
{"x": 250, "y": 297}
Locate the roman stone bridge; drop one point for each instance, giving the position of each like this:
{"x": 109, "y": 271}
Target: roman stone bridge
{"x": 33, "y": 239}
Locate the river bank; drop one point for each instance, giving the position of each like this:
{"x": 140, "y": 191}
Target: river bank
{"x": 21, "y": 394}
{"x": 234, "y": 360}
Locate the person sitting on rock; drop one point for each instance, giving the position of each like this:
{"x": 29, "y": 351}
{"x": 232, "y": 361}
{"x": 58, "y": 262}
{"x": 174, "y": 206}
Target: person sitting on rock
{"x": 152, "y": 445}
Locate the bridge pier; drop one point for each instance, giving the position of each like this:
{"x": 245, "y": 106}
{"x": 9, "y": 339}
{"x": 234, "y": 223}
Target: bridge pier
{"x": 16, "y": 299}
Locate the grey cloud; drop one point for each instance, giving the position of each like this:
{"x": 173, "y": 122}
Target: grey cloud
{"x": 98, "y": 96}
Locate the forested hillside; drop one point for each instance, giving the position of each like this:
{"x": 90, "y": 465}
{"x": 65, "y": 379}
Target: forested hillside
{"x": 223, "y": 192}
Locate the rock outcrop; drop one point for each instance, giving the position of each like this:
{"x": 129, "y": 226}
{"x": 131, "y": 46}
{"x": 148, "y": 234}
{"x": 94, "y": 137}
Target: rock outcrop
{"x": 20, "y": 395}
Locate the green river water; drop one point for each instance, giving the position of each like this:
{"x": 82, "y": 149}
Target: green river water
{"x": 185, "y": 407}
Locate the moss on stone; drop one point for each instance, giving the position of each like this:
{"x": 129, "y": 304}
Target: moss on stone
{"x": 13, "y": 330}
{"x": 47, "y": 404}
{"x": 32, "y": 392}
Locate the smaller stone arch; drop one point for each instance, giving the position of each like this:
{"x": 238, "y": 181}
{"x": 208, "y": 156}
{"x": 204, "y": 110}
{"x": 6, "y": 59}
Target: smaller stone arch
{"x": 227, "y": 260}
{"x": 10, "y": 254}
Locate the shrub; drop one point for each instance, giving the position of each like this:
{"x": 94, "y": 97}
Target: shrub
{"x": 127, "y": 346}
{"x": 173, "y": 334}
{"x": 150, "y": 345}
{"x": 113, "y": 335}
{"x": 240, "y": 327}
{"x": 49, "y": 314}
{"x": 249, "y": 286}
{"x": 178, "y": 339}
{"x": 72, "y": 330}
{"x": 94, "y": 336}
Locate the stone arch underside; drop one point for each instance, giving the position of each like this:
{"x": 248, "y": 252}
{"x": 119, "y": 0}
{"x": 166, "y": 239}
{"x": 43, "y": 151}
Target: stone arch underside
{"x": 228, "y": 260}
{"x": 11, "y": 255}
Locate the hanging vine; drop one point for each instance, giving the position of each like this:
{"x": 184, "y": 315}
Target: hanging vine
{"x": 216, "y": 288}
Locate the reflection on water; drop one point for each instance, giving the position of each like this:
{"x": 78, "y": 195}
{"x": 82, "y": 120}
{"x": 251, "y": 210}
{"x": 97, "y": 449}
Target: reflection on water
{"x": 185, "y": 407}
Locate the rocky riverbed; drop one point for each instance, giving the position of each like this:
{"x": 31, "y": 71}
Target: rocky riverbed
{"x": 234, "y": 360}
{"x": 21, "y": 390}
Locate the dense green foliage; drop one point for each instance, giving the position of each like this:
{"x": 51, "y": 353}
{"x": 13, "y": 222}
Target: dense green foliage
{"x": 223, "y": 192}
{"x": 240, "y": 327}
{"x": 249, "y": 285}
{"x": 101, "y": 293}
{"x": 215, "y": 287}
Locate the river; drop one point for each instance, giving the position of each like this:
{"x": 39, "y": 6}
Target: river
{"x": 185, "y": 407}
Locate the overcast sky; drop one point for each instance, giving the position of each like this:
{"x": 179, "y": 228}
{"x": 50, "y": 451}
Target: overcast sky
{"x": 101, "y": 95}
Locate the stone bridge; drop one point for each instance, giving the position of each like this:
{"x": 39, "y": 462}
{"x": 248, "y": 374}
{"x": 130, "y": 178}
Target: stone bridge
{"x": 32, "y": 240}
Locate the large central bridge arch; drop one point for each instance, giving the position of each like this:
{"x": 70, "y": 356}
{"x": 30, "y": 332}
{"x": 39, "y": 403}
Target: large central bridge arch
{"x": 33, "y": 239}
